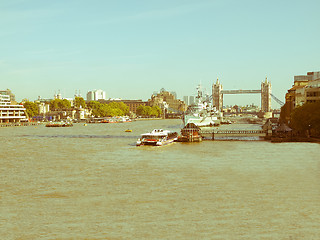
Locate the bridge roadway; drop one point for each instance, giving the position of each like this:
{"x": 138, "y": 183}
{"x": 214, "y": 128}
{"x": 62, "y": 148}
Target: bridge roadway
{"x": 240, "y": 91}
{"x": 212, "y": 133}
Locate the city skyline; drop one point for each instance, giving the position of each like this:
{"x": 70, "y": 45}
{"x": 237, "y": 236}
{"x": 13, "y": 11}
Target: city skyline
{"x": 129, "y": 49}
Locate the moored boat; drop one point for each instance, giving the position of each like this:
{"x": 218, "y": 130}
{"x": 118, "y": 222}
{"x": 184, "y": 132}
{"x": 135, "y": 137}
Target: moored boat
{"x": 59, "y": 124}
{"x": 202, "y": 114}
{"x": 158, "y": 137}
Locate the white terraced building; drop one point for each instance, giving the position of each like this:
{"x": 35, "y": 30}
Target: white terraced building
{"x": 11, "y": 113}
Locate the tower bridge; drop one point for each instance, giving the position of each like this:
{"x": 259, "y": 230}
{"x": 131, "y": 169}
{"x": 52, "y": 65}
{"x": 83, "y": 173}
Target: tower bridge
{"x": 265, "y": 91}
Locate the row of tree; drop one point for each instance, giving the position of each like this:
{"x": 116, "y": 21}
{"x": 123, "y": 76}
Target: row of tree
{"x": 302, "y": 119}
{"x": 59, "y": 104}
{"x": 108, "y": 109}
{"x": 148, "y": 111}
{"x": 98, "y": 109}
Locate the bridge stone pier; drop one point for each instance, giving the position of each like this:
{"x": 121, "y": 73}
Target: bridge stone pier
{"x": 265, "y": 91}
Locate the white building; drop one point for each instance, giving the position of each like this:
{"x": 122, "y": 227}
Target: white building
{"x": 191, "y": 100}
{"x": 10, "y": 113}
{"x": 96, "y": 95}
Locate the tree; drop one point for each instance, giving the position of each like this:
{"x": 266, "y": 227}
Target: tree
{"x": 148, "y": 111}
{"x": 31, "y": 109}
{"x": 66, "y": 104}
{"x": 79, "y": 102}
{"x": 93, "y": 105}
{"x": 124, "y": 108}
{"x": 58, "y": 104}
{"x": 158, "y": 111}
{"x": 54, "y": 104}
{"x": 307, "y": 117}
{"x": 140, "y": 110}
{"x": 108, "y": 110}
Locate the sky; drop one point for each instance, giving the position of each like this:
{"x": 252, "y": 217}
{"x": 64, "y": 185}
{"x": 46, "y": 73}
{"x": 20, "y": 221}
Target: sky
{"x": 132, "y": 48}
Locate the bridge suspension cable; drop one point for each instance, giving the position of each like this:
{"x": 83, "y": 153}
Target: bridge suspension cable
{"x": 277, "y": 99}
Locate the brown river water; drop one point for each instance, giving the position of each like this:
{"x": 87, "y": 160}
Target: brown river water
{"x": 92, "y": 182}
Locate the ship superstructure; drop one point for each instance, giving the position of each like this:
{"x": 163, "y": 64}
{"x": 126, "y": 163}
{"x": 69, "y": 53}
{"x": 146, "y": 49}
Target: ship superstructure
{"x": 202, "y": 113}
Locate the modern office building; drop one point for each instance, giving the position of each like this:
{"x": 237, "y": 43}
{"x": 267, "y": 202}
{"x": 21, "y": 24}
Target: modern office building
{"x": 191, "y": 100}
{"x": 8, "y": 92}
{"x": 96, "y": 95}
{"x": 10, "y": 113}
{"x": 186, "y": 100}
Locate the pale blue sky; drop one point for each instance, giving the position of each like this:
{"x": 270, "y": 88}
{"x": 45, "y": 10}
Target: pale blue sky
{"x": 131, "y": 48}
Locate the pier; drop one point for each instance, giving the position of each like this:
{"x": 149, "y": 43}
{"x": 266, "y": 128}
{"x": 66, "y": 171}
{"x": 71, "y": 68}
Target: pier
{"x": 212, "y": 133}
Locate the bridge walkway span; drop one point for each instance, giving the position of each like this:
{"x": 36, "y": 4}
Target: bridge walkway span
{"x": 212, "y": 133}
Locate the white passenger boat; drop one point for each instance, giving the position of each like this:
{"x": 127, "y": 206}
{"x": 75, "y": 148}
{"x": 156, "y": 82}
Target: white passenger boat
{"x": 158, "y": 137}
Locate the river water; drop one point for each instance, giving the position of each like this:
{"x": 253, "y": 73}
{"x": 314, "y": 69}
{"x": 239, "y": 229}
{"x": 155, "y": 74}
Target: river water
{"x": 92, "y": 182}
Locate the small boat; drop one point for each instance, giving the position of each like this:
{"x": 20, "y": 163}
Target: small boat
{"x": 128, "y": 130}
{"x": 123, "y": 119}
{"x": 59, "y": 124}
{"x": 158, "y": 137}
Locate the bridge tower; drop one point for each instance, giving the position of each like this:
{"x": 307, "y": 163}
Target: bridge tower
{"x": 266, "y": 96}
{"x": 217, "y": 96}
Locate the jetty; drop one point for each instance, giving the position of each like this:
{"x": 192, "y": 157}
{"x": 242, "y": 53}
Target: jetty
{"x": 211, "y": 133}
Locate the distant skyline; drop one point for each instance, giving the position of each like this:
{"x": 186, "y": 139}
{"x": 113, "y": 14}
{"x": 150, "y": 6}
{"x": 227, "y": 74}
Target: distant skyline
{"x": 131, "y": 48}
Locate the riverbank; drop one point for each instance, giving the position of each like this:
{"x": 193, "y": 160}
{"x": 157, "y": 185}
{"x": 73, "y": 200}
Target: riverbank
{"x": 295, "y": 139}
{"x": 144, "y": 119}
{"x": 26, "y": 124}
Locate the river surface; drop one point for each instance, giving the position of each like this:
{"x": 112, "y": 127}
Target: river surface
{"x": 92, "y": 182}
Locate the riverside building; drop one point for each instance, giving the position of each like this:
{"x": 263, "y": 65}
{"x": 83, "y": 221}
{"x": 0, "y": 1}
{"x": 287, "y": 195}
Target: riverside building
{"x": 165, "y": 98}
{"x": 11, "y": 113}
{"x": 306, "y": 89}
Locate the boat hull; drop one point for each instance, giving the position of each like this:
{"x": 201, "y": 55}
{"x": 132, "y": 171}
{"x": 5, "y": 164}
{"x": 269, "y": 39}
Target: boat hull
{"x": 156, "y": 143}
{"x": 158, "y": 137}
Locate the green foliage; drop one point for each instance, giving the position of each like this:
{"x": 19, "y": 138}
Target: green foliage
{"x": 148, "y": 111}
{"x": 157, "y": 110}
{"x": 306, "y": 117}
{"x": 93, "y": 104}
{"x": 79, "y": 102}
{"x": 285, "y": 113}
{"x": 58, "y": 104}
{"x": 31, "y": 109}
{"x": 108, "y": 110}
{"x": 141, "y": 111}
